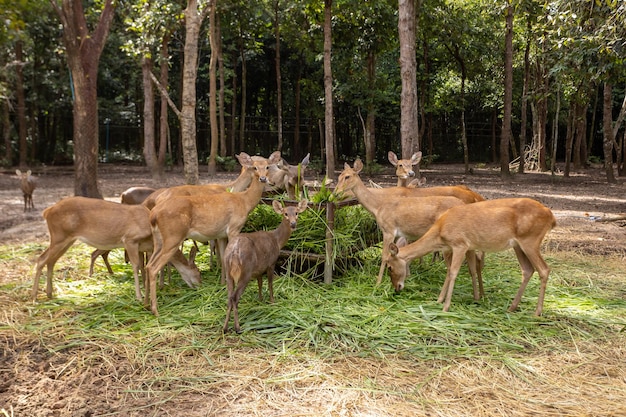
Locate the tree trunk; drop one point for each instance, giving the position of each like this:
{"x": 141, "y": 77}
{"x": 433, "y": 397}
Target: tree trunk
{"x": 222, "y": 91}
{"x": 163, "y": 123}
{"x": 279, "y": 89}
{"x": 370, "y": 119}
{"x": 6, "y": 132}
{"x": 83, "y": 50}
{"x": 297, "y": 153}
{"x": 233, "y": 109}
{"x": 524, "y": 110}
{"x": 508, "y": 93}
{"x": 149, "y": 142}
{"x": 193, "y": 20}
{"x": 408, "y": 97}
{"x": 244, "y": 81}
{"x": 329, "y": 131}
{"x": 213, "y": 89}
{"x": 607, "y": 125}
{"x": 21, "y": 105}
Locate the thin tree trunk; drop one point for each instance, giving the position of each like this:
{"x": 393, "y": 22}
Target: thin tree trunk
{"x": 21, "y": 105}
{"x": 370, "y": 119}
{"x": 244, "y": 81}
{"x": 213, "y": 89}
{"x": 222, "y": 91}
{"x": 524, "y": 110}
{"x": 329, "y": 131}
{"x": 297, "y": 97}
{"x": 508, "y": 93}
{"x": 149, "y": 142}
{"x": 233, "y": 109}
{"x": 555, "y": 132}
{"x": 279, "y": 88}
{"x": 6, "y": 132}
{"x": 164, "y": 123}
{"x": 607, "y": 142}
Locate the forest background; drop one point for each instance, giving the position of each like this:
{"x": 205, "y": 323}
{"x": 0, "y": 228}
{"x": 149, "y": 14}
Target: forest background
{"x": 520, "y": 83}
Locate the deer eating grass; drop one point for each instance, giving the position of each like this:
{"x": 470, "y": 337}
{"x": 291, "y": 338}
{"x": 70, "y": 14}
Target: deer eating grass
{"x": 402, "y": 216}
{"x": 103, "y": 225}
{"x": 251, "y": 255}
{"x": 27, "y": 184}
{"x": 490, "y": 226}
{"x": 202, "y": 217}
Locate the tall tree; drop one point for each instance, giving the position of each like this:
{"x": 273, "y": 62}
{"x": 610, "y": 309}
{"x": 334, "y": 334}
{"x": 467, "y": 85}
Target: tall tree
{"x": 409, "y": 131}
{"x": 505, "y": 137}
{"x": 83, "y": 49}
{"x": 329, "y": 122}
{"x": 213, "y": 33}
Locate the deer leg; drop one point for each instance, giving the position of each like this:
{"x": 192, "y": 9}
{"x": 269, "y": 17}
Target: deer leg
{"x": 447, "y": 257}
{"x": 453, "y": 271}
{"x": 155, "y": 265}
{"x": 387, "y": 240}
{"x": 472, "y": 264}
{"x": 221, "y": 246}
{"x": 236, "y": 297}
{"x": 49, "y": 258}
{"x": 132, "y": 251}
{"x": 229, "y": 302}
{"x": 270, "y": 282}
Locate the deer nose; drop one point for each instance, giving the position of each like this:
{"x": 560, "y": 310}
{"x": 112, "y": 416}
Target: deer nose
{"x": 293, "y": 225}
{"x": 263, "y": 179}
{"x": 399, "y": 286}
{"x": 411, "y": 173}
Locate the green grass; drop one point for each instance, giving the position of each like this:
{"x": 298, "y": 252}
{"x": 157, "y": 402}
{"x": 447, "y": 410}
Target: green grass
{"x": 585, "y": 300}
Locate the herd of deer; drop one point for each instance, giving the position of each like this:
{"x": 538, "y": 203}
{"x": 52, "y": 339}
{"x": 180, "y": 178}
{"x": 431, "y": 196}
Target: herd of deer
{"x": 454, "y": 220}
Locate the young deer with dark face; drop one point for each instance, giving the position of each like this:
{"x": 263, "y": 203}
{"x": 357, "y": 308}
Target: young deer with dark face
{"x": 251, "y": 255}
{"x": 489, "y": 226}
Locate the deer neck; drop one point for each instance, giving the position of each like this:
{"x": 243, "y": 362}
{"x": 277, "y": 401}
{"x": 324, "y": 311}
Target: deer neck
{"x": 242, "y": 182}
{"x": 430, "y": 242}
{"x": 253, "y": 194}
{"x": 368, "y": 199}
{"x": 282, "y": 233}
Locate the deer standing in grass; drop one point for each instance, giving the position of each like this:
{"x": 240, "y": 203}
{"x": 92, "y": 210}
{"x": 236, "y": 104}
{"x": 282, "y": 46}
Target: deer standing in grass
{"x": 251, "y": 255}
{"x": 27, "y": 184}
{"x": 399, "y": 215}
{"x": 490, "y": 226}
{"x": 218, "y": 216}
{"x": 103, "y": 225}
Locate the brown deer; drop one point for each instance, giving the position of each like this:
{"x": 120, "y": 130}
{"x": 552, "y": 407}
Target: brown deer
{"x": 289, "y": 177}
{"x": 250, "y": 255}
{"x": 132, "y": 196}
{"x": 27, "y": 184}
{"x": 103, "y": 225}
{"x": 404, "y": 167}
{"x": 241, "y": 183}
{"x": 397, "y": 214}
{"x": 202, "y": 217}
{"x": 490, "y": 226}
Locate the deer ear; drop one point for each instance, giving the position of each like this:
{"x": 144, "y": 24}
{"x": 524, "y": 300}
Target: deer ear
{"x": 393, "y": 158}
{"x": 305, "y": 161}
{"x": 18, "y": 172}
{"x": 278, "y": 208}
{"x": 244, "y": 159}
{"x": 416, "y": 158}
{"x": 274, "y": 158}
{"x": 302, "y": 205}
{"x": 393, "y": 249}
{"x": 358, "y": 165}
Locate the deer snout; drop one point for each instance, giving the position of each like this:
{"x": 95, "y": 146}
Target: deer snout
{"x": 292, "y": 225}
{"x": 399, "y": 286}
{"x": 263, "y": 179}
{"x": 411, "y": 173}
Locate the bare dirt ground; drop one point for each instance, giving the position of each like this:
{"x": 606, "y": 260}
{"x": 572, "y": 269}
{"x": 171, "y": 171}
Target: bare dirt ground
{"x": 35, "y": 383}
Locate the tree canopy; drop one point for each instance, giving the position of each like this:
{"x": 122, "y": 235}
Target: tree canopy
{"x": 565, "y": 55}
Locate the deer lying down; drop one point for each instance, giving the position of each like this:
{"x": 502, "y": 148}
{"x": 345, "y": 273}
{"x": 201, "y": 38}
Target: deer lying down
{"x": 490, "y": 226}
{"x": 251, "y": 255}
{"x": 104, "y": 225}
{"x": 27, "y": 184}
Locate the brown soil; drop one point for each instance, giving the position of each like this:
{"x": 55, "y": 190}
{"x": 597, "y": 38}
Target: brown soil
{"x": 35, "y": 383}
